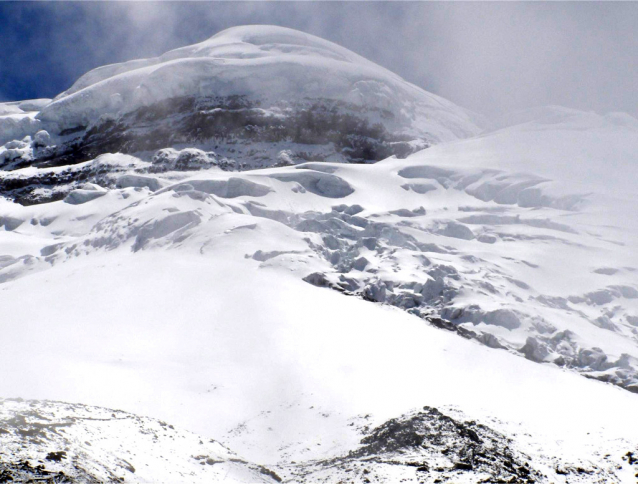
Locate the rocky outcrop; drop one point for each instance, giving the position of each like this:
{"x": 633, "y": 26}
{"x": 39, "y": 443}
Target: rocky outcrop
{"x": 56, "y": 442}
{"x": 428, "y": 446}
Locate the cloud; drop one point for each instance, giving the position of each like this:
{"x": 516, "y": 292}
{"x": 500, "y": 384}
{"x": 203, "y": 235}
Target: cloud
{"x": 490, "y": 57}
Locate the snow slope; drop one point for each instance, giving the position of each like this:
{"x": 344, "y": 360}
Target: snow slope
{"x": 182, "y": 296}
{"x": 78, "y": 443}
{"x": 229, "y": 351}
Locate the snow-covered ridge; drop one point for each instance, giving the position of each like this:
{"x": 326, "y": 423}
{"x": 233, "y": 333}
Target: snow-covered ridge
{"x": 265, "y": 62}
{"x": 45, "y": 441}
{"x": 547, "y": 116}
{"x": 247, "y": 42}
{"x": 246, "y": 85}
{"x": 18, "y": 119}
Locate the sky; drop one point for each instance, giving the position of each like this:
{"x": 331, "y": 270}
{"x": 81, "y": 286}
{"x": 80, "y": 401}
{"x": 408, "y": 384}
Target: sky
{"x": 491, "y": 57}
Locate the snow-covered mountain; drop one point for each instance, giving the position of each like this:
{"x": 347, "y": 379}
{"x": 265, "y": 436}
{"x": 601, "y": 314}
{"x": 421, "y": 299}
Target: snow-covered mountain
{"x": 487, "y": 275}
{"x": 248, "y": 97}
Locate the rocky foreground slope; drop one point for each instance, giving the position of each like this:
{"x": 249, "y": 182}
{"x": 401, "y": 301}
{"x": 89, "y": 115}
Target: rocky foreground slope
{"x": 55, "y": 442}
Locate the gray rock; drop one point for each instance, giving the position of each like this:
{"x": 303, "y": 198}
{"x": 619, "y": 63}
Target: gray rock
{"x": 404, "y": 212}
{"x": 331, "y": 242}
{"x": 627, "y": 291}
{"x": 605, "y": 323}
{"x": 348, "y": 283}
{"x": 607, "y": 271}
{"x": 317, "y": 279}
{"x": 600, "y": 297}
{"x": 487, "y": 238}
{"x": 534, "y": 350}
{"x": 502, "y": 317}
{"x": 369, "y": 243}
{"x": 490, "y": 340}
{"x": 353, "y": 209}
{"x": 457, "y": 231}
{"x": 375, "y": 292}
{"x": 432, "y": 289}
{"x": 360, "y": 264}
{"x": 593, "y": 358}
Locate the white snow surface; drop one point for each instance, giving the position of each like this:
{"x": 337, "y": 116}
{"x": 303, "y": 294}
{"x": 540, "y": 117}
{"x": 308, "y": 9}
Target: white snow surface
{"x": 93, "y": 444}
{"x": 185, "y": 301}
{"x": 266, "y": 63}
{"x": 17, "y": 118}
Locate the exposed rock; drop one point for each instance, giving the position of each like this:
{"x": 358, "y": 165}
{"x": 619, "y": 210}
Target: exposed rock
{"x": 375, "y": 291}
{"x": 456, "y": 230}
{"x": 317, "y": 279}
{"x": 534, "y": 350}
{"x": 593, "y": 358}
{"x": 487, "y": 238}
{"x": 360, "y": 264}
{"x": 426, "y": 446}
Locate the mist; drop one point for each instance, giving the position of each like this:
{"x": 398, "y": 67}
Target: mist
{"x": 489, "y": 57}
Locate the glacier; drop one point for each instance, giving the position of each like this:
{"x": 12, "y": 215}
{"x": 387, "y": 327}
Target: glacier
{"x": 444, "y": 298}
